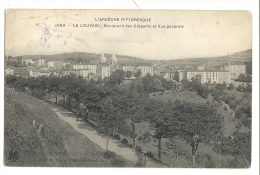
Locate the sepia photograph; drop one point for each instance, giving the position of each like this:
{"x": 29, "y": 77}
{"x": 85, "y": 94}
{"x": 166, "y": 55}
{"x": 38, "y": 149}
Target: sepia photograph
{"x": 128, "y": 88}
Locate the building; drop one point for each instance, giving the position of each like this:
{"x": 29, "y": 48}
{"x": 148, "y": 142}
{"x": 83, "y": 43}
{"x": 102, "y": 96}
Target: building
{"x": 38, "y": 73}
{"x": 69, "y": 72}
{"x": 50, "y": 64}
{"x": 43, "y": 68}
{"x": 92, "y": 76}
{"x": 182, "y": 74}
{"x": 103, "y": 59}
{"x": 113, "y": 60}
{"x": 34, "y": 73}
{"x": 58, "y": 64}
{"x": 91, "y": 67}
{"x": 65, "y": 63}
{"x": 128, "y": 67}
{"x": 168, "y": 75}
{"x": 145, "y": 69}
{"x": 44, "y": 73}
{"x": 27, "y": 62}
{"x": 209, "y": 76}
{"x": 103, "y": 70}
{"x": 235, "y": 69}
{"x": 9, "y": 71}
{"x": 41, "y": 62}
{"x": 84, "y": 73}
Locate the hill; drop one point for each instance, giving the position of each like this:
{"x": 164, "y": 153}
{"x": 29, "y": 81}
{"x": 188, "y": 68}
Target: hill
{"x": 242, "y": 56}
{"x": 81, "y": 56}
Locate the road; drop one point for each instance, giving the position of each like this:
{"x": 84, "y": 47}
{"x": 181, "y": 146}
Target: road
{"x": 81, "y": 127}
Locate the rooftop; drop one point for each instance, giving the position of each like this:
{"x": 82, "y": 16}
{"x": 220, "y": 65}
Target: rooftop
{"x": 136, "y": 64}
{"x": 82, "y": 63}
{"x": 233, "y": 63}
{"x": 208, "y": 70}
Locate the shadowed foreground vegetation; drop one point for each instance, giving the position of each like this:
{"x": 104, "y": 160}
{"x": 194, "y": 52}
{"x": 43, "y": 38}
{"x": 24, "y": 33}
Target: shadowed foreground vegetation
{"x": 57, "y": 145}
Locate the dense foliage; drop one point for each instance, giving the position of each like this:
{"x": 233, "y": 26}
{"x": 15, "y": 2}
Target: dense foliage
{"x": 109, "y": 104}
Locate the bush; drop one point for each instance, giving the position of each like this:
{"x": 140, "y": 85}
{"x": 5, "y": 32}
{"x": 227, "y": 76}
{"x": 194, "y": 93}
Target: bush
{"x": 216, "y": 98}
{"x": 118, "y": 162}
{"x": 125, "y": 141}
{"x": 117, "y": 137}
{"x": 60, "y": 102}
{"x": 139, "y": 164}
{"x": 246, "y": 122}
{"x": 140, "y": 138}
{"x": 138, "y": 148}
{"x": 109, "y": 154}
{"x": 149, "y": 154}
{"x": 231, "y": 87}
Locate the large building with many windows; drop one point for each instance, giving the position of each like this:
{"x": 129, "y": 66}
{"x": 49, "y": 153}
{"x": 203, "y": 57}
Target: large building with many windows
{"x": 79, "y": 66}
{"x": 58, "y": 64}
{"x": 41, "y": 62}
{"x": 209, "y": 76}
{"x": 235, "y": 69}
{"x": 144, "y": 67}
{"x": 128, "y": 67}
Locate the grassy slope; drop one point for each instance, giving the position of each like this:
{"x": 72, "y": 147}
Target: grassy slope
{"x": 202, "y": 149}
{"x": 188, "y": 96}
{"x": 59, "y": 141}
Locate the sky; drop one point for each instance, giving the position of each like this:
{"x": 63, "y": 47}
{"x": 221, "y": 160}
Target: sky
{"x": 204, "y": 33}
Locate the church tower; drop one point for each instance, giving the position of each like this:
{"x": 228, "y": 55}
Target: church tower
{"x": 113, "y": 60}
{"x": 103, "y": 58}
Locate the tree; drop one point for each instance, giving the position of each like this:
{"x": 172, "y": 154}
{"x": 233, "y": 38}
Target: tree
{"x": 117, "y": 77}
{"x": 107, "y": 119}
{"x": 185, "y": 83}
{"x": 231, "y": 87}
{"x": 10, "y": 80}
{"x": 176, "y": 76}
{"x": 167, "y": 84}
{"x": 162, "y": 117}
{"x": 237, "y": 145}
{"x": 147, "y": 83}
{"x": 131, "y": 101}
{"x": 54, "y": 86}
{"x": 244, "y": 78}
{"x": 249, "y": 67}
{"x": 157, "y": 85}
{"x": 221, "y": 87}
{"x": 198, "y": 123}
{"x": 195, "y": 82}
{"x": 128, "y": 74}
{"x": 138, "y": 73}
{"x": 174, "y": 147}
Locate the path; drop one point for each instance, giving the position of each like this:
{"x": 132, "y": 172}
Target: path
{"x": 93, "y": 135}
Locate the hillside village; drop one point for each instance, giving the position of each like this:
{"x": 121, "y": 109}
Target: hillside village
{"x": 102, "y": 67}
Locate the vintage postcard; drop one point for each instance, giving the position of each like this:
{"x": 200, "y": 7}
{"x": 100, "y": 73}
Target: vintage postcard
{"x": 128, "y": 88}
